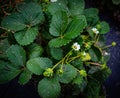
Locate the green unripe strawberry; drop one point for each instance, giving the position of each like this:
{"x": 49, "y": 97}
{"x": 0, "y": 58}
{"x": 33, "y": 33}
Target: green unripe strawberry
{"x": 83, "y": 73}
{"x": 60, "y": 71}
{"x": 86, "y": 57}
{"x": 98, "y": 26}
{"x": 48, "y": 72}
{"x": 113, "y": 43}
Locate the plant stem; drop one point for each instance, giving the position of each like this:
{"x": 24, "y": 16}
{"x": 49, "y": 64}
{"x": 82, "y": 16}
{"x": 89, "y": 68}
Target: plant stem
{"x": 56, "y": 64}
{"x": 107, "y": 46}
{"x": 93, "y": 63}
{"x": 73, "y": 58}
{"x": 62, "y": 61}
{"x": 97, "y": 39}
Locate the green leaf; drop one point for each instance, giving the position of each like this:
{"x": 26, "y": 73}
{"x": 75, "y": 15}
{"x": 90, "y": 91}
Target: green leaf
{"x": 76, "y": 7}
{"x": 58, "y": 42}
{"x": 34, "y": 51}
{"x": 32, "y": 13}
{"x": 16, "y": 54}
{"x": 14, "y": 22}
{"x": 8, "y": 72}
{"x": 104, "y": 27}
{"x": 93, "y": 69}
{"x": 61, "y": 5}
{"x": 91, "y": 33}
{"x": 73, "y": 30}
{"x": 78, "y": 80}
{"x": 4, "y": 45}
{"x": 91, "y": 15}
{"x": 25, "y": 76}
{"x": 59, "y": 23}
{"x": 92, "y": 89}
{"x": 95, "y": 53}
{"x": 75, "y": 27}
{"x": 69, "y": 73}
{"x": 102, "y": 75}
{"x": 26, "y": 36}
{"x": 49, "y": 88}
{"x": 117, "y": 2}
{"x": 78, "y": 63}
{"x": 57, "y": 53}
{"x": 38, "y": 65}
{"x": 83, "y": 85}
{"x": 91, "y": 12}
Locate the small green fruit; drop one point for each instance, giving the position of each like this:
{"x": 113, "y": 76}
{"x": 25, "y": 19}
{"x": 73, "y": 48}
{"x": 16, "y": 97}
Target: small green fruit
{"x": 113, "y": 43}
{"x": 98, "y": 26}
{"x": 86, "y": 57}
{"x": 48, "y": 72}
{"x": 60, "y": 71}
{"x": 87, "y": 45}
{"x": 83, "y": 73}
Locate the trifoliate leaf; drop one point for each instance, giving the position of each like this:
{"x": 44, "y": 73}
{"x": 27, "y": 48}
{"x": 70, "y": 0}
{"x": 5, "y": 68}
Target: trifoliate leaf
{"x": 25, "y": 76}
{"x": 16, "y": 54}
{"x": 59, "y": 23}
{"x": 26, "y": 36}
{"x": 14, "y": 22}
{"x": 58, "y": 42}
{"x": 38, "y": 65}
{"x": 104, "y": 27}
{"x": 69, "y": 73}
{"x": 34, "y": 51}
{"x": 76, "y": 7}
{"x": 29, "y": 14}
{"x": 56, "y": 53}
{"x": 49, "y": 88}
{"x": 73, "y": 30}
{"x": 75, "y": 27}
{"x": 8, "y": 72}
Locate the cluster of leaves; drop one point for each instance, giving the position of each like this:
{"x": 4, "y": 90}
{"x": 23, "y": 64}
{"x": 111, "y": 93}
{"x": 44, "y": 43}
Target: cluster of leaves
{"x": 37, "y": 41}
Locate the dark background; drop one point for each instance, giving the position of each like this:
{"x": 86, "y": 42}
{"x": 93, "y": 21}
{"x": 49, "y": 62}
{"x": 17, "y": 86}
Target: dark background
{"x": 109, "y": 13}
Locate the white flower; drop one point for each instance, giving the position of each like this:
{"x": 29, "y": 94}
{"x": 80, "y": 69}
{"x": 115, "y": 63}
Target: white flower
{"x": 105, "y": 53}
{"x": 76, "y": 46}
{"x": 53, "y": 0}
{"x": 95, "y": 30}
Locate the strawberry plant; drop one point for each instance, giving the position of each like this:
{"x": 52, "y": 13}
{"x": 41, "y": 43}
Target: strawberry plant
{"x": 61, "y": 43}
